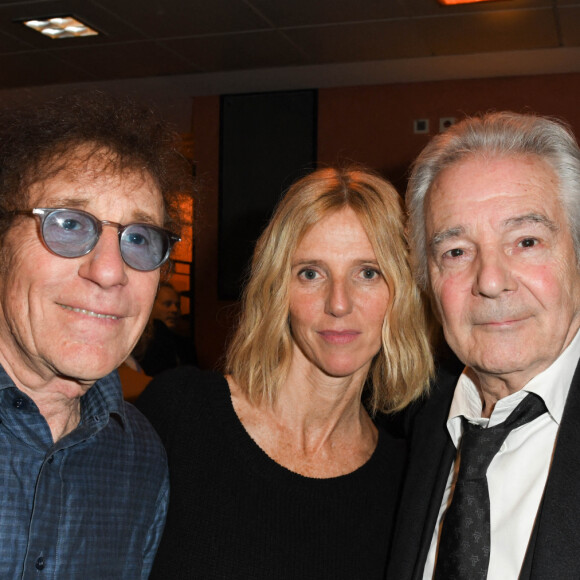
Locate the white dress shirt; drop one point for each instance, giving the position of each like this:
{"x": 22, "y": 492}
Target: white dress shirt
{"x": 517, "y": 474}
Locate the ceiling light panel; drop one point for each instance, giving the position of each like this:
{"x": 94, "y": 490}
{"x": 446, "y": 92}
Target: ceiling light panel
{"x": 455, "y": 2}
{"x": 61, "y": 27}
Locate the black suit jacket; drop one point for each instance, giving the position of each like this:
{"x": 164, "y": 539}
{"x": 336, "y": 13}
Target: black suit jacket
{"x": 554, "y": 549}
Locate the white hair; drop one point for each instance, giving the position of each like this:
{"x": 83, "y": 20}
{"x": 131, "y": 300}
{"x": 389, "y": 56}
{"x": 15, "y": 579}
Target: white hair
{"x": 494, "y": 134}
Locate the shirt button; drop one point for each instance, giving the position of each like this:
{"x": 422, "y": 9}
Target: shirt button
{"x": 50, "y": 459}
{"x": 40, "y": 563}
{"x": 19, "y": 403}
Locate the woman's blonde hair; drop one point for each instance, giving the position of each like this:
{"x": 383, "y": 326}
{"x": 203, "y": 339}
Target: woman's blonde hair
{"x": 260, "y": 352}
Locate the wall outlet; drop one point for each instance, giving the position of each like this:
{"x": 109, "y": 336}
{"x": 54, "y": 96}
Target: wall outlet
{"x": 421, "y": 126}
{"x": 445, "y": 123}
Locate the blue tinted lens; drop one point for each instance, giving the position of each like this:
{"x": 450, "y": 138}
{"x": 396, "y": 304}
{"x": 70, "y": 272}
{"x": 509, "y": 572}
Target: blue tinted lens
{"x": 73, "y": 233}
{"x": 144, "y": 247}
{"x": 70, "y": 233}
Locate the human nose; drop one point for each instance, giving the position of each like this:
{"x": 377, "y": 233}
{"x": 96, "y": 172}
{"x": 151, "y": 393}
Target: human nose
{"x": 339, "y": 298}
{"x": 104, "y": 265}
{"x": 493, "y": 275}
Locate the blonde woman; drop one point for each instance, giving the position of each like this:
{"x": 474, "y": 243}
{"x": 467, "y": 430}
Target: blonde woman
{"x": 278, "y": 469}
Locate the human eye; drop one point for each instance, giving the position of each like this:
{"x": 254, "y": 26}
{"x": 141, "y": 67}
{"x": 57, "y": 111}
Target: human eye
{"x": 369, "y": 273}
{"x": 70, "y": 224}
{"x": 453, "y": 256}
{"x": 142, "y": 245}
{"x": 454, "y": 253}
{"x": 528, "y": 243}
{"x": 308, "y": 274}
{"x": 136, "y": 239}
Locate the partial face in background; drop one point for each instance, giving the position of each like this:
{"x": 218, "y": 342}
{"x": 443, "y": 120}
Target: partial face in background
{"x": 338, "y": 297}
{"x": 167, "y": 306}
{"x": 76, "y": 317}
{"x": 502, "y": 265}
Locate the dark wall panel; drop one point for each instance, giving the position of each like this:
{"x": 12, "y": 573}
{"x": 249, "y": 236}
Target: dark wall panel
{"x": 267, "y": 141}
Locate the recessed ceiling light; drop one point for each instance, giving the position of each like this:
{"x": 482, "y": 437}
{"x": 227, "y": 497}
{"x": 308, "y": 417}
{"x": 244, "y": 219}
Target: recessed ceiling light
{"x": 453, "y": 2}
{"x": 61, "y": 27}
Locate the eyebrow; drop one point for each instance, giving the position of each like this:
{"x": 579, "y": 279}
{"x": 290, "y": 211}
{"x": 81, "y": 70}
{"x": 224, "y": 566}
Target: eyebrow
{"x": 81, "y": 203}
{"x": 72, "y": 202}
{"x": 439, "y": 237}
{"x": 513, "y": 222}
{"x": 536, "y": 218}
{"x": 307, "y": 262}
{"x": 304, "y": 262}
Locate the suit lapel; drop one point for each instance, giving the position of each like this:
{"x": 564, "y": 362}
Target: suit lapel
{"x": 431, "y": 453}
{"x": 555, "y": 545}
{"x": 446, "y": 460}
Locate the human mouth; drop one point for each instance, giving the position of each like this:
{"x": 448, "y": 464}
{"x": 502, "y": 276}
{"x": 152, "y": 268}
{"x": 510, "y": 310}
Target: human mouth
{"x": 339, "y": 337}
{"x": 89, "y": 312}
{"x": 508, "y": 322}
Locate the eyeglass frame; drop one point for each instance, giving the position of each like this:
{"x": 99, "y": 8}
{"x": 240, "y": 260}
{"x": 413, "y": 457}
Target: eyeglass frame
{"x": 43, "y": 212}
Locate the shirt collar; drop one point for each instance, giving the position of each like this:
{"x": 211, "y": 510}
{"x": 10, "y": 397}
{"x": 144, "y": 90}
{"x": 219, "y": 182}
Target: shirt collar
{"x": 552, "y": 385}
{"x": 5, "y": 380}
{"x": 105, "y": 397}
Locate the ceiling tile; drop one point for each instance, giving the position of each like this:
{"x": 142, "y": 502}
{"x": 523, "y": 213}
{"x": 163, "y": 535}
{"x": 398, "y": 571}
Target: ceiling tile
{"x": 36, "y": 69}
{"x": 309, "y": 12}
{"x": 164, "y": 18}
{"x": 238, "y": 51}
{"x": 130, "y": 60}
{"x": 489, "y": 32}
{"x": 10, "y": 43}
{"x": 354, "y": 42}
{"x": 179, "y": 37}
{"x": 419, "y": 8}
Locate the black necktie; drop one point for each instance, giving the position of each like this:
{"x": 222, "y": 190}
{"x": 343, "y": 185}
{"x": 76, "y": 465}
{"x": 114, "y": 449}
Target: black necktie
{"x": 465, "y": 541}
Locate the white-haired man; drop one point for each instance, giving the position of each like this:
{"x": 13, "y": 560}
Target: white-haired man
{"x": 494, "y": 205}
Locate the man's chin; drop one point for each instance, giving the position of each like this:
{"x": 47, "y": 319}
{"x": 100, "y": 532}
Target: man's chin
{"x": 88, "y": 371}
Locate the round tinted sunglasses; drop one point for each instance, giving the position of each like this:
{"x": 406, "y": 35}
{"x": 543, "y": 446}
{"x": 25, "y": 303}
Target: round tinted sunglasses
{"x": 72, "y": 233}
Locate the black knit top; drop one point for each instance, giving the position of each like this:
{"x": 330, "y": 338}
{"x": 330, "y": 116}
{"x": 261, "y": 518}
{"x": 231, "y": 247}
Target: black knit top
{"x": 235, "y": 513}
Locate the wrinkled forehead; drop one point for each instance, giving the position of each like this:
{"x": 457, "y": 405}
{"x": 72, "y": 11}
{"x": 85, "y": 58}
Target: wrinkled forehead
{"x": 457, "y": 176}
{"x": 501, "y": 194}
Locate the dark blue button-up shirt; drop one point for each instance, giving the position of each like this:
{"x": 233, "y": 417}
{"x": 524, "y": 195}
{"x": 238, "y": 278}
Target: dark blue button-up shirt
{"x": 90, "y": 506}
